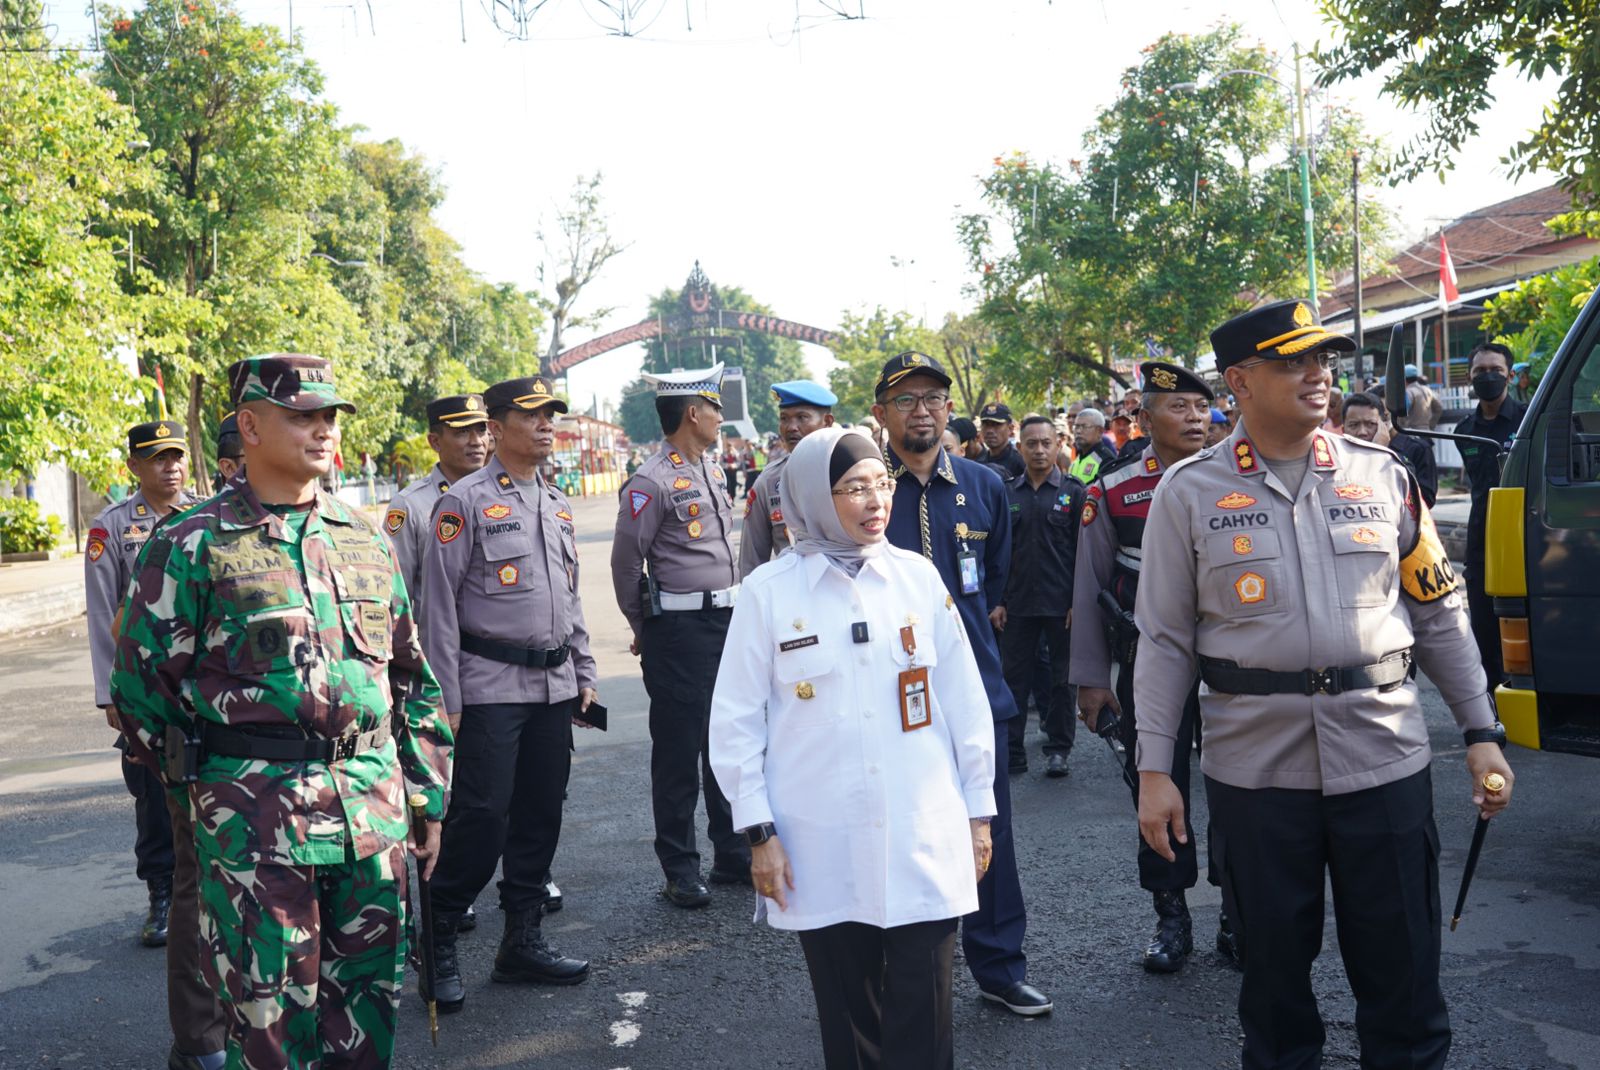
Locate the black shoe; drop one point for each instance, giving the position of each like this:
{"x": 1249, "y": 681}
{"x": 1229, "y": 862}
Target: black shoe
{"x": 1020, "y": 998}
{"x": 469, "y": 921}
{"x": 552, "y": 897}
{"x": 447, "y": 987}
{"x": 687, "y": 892}
{"x": 1056, "y": 766}
{"x": 524, "y": 956}
{"x": 153, "y": 933}
{"x": 1018, "y": 766}
{"x": 730, "y": 871}
{"x": 1230, "y": 945}
{"x": 1173, "y": 941}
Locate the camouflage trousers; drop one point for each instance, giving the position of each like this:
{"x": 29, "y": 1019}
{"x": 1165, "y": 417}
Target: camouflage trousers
{"x": 307, "y": 960}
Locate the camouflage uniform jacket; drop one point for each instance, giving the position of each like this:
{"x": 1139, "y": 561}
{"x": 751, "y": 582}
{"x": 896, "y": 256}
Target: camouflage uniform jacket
{"x": 115, "y": 538}
{"x": 235, "y": 620}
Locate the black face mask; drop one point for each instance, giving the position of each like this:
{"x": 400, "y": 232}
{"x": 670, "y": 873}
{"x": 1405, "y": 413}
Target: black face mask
{"x": 1489, "y": 387}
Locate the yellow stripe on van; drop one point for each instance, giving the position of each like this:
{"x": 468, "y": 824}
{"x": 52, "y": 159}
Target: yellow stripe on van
{"x": 1505, "y": 572}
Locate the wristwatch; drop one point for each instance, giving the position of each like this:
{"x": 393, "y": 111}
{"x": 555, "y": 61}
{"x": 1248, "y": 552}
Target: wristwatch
{"x": 760, "y": 834}
{"x": 1495, "y": 734}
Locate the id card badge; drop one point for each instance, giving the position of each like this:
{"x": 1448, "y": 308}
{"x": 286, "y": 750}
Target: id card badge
{"x": 916, "y": 711}
{"x": 967, "y": 562}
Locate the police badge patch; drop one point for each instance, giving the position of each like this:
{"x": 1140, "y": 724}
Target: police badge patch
{"x": 394, "y": 520}
{"x": 449, "y": 526}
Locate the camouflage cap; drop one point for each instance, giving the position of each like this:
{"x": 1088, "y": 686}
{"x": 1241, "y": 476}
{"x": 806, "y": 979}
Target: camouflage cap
{"x": 291, "y": 380}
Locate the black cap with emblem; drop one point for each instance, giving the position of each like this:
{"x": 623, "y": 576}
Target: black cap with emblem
{"x": 1162, "y": 378}
{"x": 1277, "y": 331}
{"x": 995, "y": 413}
{"x": 905, "y": 365}
{"x": 531, "y": 393}
{"x": 458, "y": 410}
{"x": 147, "y": 440}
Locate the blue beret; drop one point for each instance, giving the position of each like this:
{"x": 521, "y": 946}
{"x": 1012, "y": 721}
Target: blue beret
{"x": 1218, "y": 417}
{"x": 1520, "y": 366}
{"x": 803, "y": 392}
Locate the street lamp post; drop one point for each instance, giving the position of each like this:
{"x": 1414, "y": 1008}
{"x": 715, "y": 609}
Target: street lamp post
{"x": 1302, "y": 150}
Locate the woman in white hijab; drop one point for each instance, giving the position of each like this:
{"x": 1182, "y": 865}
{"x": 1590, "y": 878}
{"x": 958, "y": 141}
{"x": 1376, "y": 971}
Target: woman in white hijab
{"x": 853, "y": 736}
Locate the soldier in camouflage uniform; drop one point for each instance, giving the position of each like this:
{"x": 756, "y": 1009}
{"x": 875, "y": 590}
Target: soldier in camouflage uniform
{"x": 271, "y": 626}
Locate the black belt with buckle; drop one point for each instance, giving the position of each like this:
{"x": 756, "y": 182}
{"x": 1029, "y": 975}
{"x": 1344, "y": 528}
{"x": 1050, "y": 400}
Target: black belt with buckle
{"x": 495, "y": 650}
{"x": 1229, "y": 679}
{"x": 265, "y": 743}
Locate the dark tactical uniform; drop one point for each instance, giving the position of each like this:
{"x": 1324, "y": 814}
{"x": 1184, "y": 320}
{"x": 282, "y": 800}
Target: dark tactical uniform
{"x": 1044, "y": 544}
{"x": 279, "y": 638}
{"x": 1482, "y": 468}
{"x": 503, "y": 628}
{"x": 1302, "y": 608}
{"x": 676, "y": 516}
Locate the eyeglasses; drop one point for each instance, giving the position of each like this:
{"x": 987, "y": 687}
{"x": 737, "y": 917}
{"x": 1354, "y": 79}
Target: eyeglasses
{"x": 858, "y": 492}
{"x": 908, "y": 402}
{"x": 1297, "y": 364}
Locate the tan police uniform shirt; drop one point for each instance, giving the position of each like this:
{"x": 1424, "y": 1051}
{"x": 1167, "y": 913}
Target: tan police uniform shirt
{"x": 675, "y": 514}
{"x": 1339, "y": 572}
{"x": 764, "y": 533}
{"x": 503, "y": 565}
{"x": 116, "y": 536}
{"x": 409, "y": 525}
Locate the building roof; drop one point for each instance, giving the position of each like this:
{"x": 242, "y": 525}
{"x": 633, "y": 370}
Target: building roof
{"x": 1490, "y": 246}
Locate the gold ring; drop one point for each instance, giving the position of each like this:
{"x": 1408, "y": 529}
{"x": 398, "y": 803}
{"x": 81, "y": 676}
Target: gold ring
{"x": 766, "y": 889}
{"x": 1494, "y": 783}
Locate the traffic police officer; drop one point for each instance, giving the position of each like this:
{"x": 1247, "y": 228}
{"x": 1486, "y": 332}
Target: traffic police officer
{"x": 676, "y": 516}
{"x": 1177, "y": 406}
{"x": 503, "y": 627}
{"x": 803, "y": 407}
{"x": 953, "y": 512}
{"x": 263, "y": 644}
{"x": 1301, "y": 576}
{"x": 159, "y": 460}
{"x": 458, "y": 432}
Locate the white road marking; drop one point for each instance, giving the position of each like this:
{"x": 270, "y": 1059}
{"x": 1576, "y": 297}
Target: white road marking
{"x": 624, "y": 1031}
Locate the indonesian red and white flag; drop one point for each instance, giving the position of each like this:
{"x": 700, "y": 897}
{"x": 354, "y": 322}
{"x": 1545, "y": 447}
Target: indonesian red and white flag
{"x": 1449, "y": 293}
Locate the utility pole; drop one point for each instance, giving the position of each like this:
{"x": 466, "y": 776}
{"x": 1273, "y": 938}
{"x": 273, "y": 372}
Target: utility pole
{"x": 1355, "y": 231}
{"x": 1305, "y": 180}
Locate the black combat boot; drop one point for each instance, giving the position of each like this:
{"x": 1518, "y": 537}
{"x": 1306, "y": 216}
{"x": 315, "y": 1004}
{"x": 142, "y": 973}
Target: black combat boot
{"x": 447, "y": 987}
{"x": 1230, "y": 942}
{"x": 469, "y": 921}
{"x": 154, "y": 931}
{"x": 524, "y": 955}
{"x": 1174, "y": 939}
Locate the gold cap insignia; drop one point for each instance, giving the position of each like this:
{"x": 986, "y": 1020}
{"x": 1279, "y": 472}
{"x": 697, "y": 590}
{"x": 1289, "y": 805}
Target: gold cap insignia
{"x": 1163, "y": 379}
{"x": 472, "y": 404}
{"x": 540, "y": 387}
{"x": 1302, "y": 315}
{"x": 163, "y": 431}
{"x": 913, "y": 358}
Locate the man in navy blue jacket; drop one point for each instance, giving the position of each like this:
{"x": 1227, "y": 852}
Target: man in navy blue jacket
{"x": 954, "y": 512}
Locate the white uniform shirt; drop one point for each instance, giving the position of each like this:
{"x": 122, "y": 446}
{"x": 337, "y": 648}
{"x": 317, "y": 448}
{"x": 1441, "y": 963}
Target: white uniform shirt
{"x": 874, "y": 819}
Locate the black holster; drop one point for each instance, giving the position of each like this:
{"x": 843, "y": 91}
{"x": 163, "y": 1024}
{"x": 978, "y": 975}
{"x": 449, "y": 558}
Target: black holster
{"x": 1122, "y": 634}
{"x": 181, "y": 756}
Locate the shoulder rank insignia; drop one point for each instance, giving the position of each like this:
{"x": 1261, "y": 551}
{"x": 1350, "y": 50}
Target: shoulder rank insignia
{"x": 1235, "y": 500}
{"x": 1244, "y": 456}
{"x": 448, "y": 526}
{"x": 393, "y": 520}
{"x": 504, "y": 481}
{"x": 675, "y": 457}
{"x": 444, "y": 485}
{"x": 497, "y": 511}
{"x": 1151, "y": 464}
{"x": 637, "y": 500}
{"x": 1321, "y": 452}
{"x": 682, "y": 483}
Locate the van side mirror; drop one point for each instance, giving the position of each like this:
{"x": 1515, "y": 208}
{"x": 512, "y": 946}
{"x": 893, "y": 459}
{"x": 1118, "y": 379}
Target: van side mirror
{"x": 1394, "y": 374}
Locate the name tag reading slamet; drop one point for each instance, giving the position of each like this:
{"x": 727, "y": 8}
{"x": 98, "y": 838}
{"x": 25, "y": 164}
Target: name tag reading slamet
{"x": 1239, "y": 520}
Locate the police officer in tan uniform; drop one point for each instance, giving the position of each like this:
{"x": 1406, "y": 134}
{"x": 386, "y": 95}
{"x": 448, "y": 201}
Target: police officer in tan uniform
{"x": 503, "y": 629}
{"x": 676, "y": 517}
{"x": 1299, "y": 573}
{"x": 458, "y": 432}
{"x": 158, "y": 458}
{"x": 803, "y": 407}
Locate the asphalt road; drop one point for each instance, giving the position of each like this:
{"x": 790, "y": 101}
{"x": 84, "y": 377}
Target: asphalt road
{"x": 710, "y": 989}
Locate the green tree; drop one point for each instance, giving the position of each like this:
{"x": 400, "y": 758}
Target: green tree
{"x": 1535, "y": 315}
{"x": 1185, "y": 209}
{"x": 1438, "y": 58}
{"x": 64, "y": 156}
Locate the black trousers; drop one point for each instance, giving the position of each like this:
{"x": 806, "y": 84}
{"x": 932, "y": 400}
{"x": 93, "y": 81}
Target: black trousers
{"x": 1019, "y": 648}
{"x": 992, "y": 935}
{"x": 680, "y": 653}
{"x": 1275, "y": 847}
{"x": 152, "y": 844}
{"x": 883, "y": 995}
{"x": 1485, "y": 625}
{"x": 1156, "y": 874}
{"x": 512, "y": 761}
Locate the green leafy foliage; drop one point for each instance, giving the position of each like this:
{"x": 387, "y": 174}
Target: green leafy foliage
{"x": 25, "y": 529}
{"x": 1438, "y": 58}
{"x": 1534, "y": 316}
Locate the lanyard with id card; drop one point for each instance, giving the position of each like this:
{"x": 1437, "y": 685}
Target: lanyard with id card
{"x": 916, "y": 706}
{"x": 967, "y": 565}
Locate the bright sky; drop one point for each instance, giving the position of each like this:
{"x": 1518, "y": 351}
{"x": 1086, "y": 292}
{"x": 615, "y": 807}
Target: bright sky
{"x": 795, "y": 165}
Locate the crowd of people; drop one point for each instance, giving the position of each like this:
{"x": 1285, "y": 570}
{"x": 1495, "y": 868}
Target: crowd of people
{"x": 301, "y": 692}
